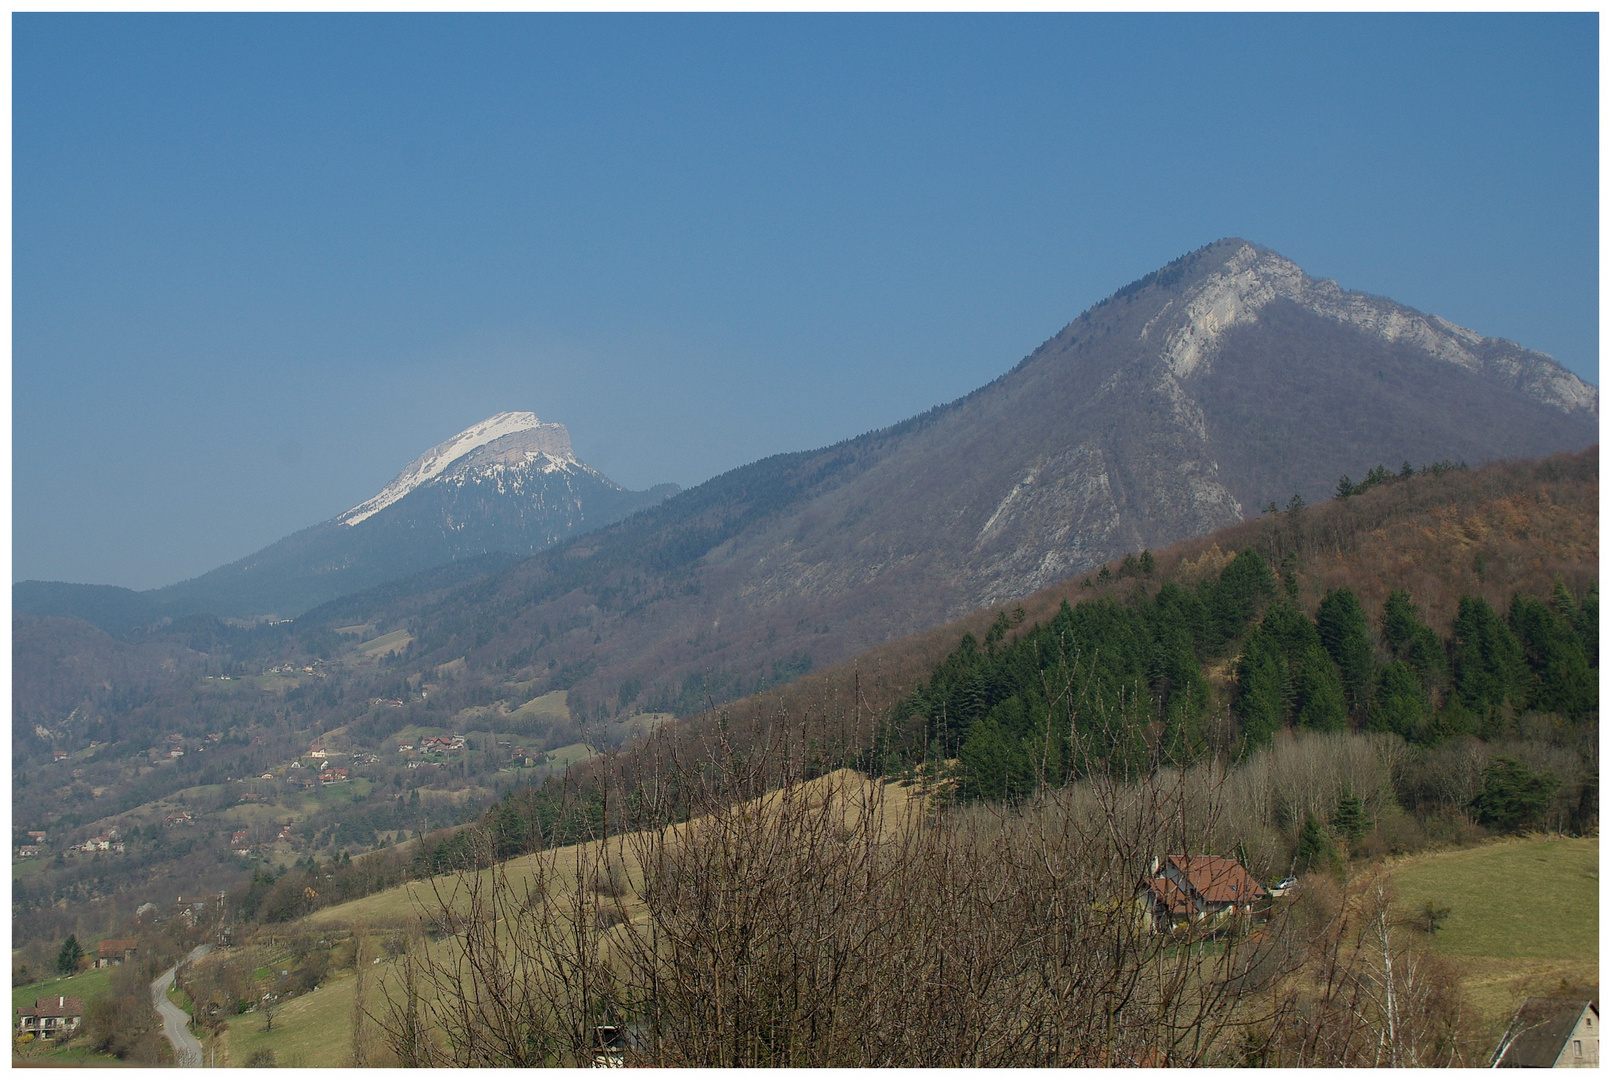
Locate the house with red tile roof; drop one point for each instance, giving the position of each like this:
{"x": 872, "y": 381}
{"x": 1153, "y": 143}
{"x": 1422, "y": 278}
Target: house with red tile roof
{"x": 1192, "y": 888}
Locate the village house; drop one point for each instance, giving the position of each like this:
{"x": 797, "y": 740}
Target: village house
{"x": 114, "y": 951}
{"x": 1551, "y": 1033}
{"x": 30, "y": 851}
{"x": 58, "y": 755}
{"x": 51, "y": 1017}
{"x": 442, "y": 744}
{"x": 1191, "y": 888}
{"x": 181, "y": 817}
{"x": 38, "y": 837}
{"x": 334, "y": 776}
{"x": 317, "y": 750}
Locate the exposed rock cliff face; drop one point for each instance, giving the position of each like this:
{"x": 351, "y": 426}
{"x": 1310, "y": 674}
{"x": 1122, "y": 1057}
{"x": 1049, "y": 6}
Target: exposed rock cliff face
{"x": 1189, "y": 399}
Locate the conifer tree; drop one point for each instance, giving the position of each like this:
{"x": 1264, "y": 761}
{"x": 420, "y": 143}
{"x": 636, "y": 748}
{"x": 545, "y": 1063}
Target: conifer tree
{"x": 69, "y": 956}
{"x": 1241, "y": 590}
{"x": 1262, "y": 692}
{"x": 1513, "y": 796}
{"x": 1349, "y": 820}
{"x": 1346, "y": 636}
{"x": 1314, "y": 846}
{"x": 1411, "y": 640}
{"x": 1319, "y": 693}
{"x": 1586, "y": 621}
{"x": 1486, "y": 660}
{"x": 1399, "y": 704}
{"x": 1558, "y": 678}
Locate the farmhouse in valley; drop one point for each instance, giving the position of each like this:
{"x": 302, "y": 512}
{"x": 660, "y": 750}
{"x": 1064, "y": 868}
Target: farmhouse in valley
{"x": 1190, "y": 888}
{"x": 50, "y": 1017}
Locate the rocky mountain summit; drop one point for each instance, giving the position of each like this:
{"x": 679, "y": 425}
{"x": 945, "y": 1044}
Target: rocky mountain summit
{"x": 509, "y": 485}
{"x": 509, "y": 438}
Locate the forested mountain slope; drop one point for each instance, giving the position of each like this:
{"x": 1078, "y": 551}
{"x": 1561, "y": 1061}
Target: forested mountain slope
{"x": 1447, "y": 605}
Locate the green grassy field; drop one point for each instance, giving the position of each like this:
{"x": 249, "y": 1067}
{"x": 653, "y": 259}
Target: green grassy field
{"x": 1519, "y": 898}
{"x": 88, "y": 985}
{"x": 310, "y": 1031}
{"x": 563, "y": 757}
{"x": 552, "y": 705}
{"x": 396, "y": 641}
{"x": 1524, "y": 918}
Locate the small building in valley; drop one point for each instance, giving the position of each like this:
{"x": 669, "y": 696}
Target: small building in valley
{"x": 1551, "y": 1033}
{"x": 1192, "y": 888}
{"x": 51, "y": 1017}
{"x": 114, "y": 951}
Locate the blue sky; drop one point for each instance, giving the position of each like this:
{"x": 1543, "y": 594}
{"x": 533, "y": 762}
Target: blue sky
{"x": 259, "y": 263}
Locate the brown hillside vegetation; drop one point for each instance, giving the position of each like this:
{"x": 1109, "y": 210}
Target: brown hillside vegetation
{"x": 1491, "y": 531}
{"x": 823, "y": 923}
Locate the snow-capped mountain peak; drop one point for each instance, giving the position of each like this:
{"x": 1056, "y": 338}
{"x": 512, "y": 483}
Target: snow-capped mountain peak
{"x": 431, "y": 464}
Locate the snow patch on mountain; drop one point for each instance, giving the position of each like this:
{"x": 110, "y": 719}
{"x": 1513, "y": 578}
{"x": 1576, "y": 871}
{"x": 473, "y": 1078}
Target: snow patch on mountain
{"x": 550, "y": 439}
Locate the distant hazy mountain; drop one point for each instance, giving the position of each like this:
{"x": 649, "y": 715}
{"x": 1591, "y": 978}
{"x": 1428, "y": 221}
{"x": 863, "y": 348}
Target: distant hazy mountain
{"x": 508, "y": 484}
{"x": 1189, "y": 399}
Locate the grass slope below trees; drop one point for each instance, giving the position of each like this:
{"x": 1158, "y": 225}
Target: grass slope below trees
{"x": 1524, "y": 917}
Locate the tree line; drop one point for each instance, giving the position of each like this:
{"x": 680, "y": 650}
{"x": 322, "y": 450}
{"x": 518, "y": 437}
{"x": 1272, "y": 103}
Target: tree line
{"x": 1110, "y": 683}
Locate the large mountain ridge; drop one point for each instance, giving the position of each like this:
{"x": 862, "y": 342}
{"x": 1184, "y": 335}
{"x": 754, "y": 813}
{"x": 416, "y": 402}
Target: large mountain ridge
{"x": 1186, "y": 401}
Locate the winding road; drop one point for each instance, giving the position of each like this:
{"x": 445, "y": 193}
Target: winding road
{"x": 175, "y": 1024}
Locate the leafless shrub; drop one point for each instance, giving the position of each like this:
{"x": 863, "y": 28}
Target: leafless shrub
{"x": 1368, "y": 994}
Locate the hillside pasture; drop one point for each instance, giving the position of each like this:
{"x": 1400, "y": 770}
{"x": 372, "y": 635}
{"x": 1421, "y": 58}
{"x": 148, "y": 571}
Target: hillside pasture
{"x": 1524, "y": 917}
